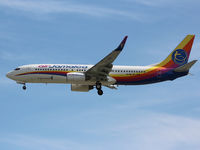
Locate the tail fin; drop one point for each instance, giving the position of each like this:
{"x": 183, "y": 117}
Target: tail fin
{"x": 180, "y": 55}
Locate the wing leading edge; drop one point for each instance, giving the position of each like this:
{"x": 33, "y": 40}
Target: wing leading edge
{"x": 100, "y": 71}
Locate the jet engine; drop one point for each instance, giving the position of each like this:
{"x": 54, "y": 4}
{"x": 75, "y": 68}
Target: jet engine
{"x": 75, "y": 77}
{"x": 81, "y": 88}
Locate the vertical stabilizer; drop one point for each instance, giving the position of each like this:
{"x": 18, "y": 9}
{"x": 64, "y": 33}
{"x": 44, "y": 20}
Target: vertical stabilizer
{"x": 180, "y": 55}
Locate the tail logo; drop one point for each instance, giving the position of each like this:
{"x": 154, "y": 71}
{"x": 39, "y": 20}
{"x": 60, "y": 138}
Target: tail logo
{"x": 179, "y": 56}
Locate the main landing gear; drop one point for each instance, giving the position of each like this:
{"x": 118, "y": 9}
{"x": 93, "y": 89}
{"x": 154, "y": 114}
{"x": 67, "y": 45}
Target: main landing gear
{"x": 98, "y": 87}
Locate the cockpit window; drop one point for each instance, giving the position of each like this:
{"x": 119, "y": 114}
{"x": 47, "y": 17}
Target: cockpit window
{"x": 17, "y": 69}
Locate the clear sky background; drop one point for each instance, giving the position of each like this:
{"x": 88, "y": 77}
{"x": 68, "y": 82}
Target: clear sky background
{"x": 50, "y": 117}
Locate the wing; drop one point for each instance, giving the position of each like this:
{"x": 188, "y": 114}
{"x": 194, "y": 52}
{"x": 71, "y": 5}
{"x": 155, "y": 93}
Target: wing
{"x": 100, "y": 71}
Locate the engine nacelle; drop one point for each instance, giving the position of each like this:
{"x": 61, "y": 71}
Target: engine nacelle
{"x": 81, "y": 88}
{"x": 75, "y": 77}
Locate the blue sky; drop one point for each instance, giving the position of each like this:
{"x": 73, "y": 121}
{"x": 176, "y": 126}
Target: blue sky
{"x": 151, "y": 117}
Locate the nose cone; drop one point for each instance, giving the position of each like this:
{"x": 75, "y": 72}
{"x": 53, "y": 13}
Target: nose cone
{"x": 9, "y": 75}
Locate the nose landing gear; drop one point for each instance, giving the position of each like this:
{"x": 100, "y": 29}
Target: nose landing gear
{"x": 98, "y": 87}
{"x": 24, "y": 87}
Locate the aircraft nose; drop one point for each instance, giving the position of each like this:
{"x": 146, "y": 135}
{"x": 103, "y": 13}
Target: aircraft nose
{"x": 8, "y": 75}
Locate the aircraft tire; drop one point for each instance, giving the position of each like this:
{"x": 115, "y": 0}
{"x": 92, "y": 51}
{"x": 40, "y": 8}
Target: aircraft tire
{"x": 100, "y": 92}
{"x": 24, "y": 87}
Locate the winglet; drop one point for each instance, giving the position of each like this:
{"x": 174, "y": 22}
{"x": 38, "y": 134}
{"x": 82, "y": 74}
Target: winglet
{"x": 121, "y": 45}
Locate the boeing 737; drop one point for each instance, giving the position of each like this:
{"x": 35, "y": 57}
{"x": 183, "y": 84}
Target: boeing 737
{"x": 84, "y": 78}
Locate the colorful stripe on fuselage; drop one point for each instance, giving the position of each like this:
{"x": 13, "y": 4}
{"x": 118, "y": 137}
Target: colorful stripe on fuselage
{"x": 60, "y": 73}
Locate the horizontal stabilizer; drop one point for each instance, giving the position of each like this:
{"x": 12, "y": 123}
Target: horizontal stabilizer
{"x": 185, "y": 67}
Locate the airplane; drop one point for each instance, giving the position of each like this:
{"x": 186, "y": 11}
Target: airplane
{"x": 84, "y": 78}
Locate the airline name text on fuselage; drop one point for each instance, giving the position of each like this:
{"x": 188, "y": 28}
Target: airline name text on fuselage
{"x": 63, "y": 66}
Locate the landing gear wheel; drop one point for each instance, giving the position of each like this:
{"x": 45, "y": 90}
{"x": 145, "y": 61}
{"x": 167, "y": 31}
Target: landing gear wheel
{"x": 100, "y": 92}
{"x": 98, "y": 87}
{"x": 24, "y": 87}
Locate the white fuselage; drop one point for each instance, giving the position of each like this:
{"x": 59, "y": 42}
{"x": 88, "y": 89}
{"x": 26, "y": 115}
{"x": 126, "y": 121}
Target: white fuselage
{"x": 56, "y": 73}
